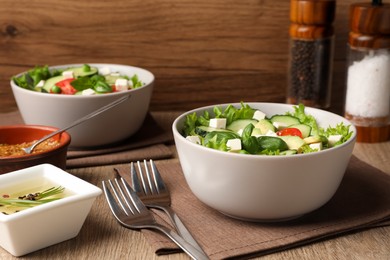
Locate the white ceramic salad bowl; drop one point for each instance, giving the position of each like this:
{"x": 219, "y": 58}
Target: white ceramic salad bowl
{"x": 41, "y": 226}
{"x": 111, "y": 126}
{"x": 264, "y": 187}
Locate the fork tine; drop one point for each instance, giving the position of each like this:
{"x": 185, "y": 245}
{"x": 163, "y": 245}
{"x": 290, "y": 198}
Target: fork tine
{"x": 151, "y": 180}
{"x": 137, "y": 203}
{"x": 119, "y": 198}
{"x": 115, "y": 209}
{"x": 134, "y": 179}
{"x": 123, "y": 197}
{"x": 159, "y": 183}
{"x": 144, "y": 184}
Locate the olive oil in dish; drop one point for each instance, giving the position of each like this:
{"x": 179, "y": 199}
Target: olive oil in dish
{"x": 30, "y": 194}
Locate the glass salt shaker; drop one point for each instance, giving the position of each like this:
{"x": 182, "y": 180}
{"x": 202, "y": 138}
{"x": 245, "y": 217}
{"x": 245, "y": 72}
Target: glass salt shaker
{"x": 311, "y": 52}
{"x": 367, "y": 103}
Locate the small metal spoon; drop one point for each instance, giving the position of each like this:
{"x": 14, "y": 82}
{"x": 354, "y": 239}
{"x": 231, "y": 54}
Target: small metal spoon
{"x": 29, "y": 149}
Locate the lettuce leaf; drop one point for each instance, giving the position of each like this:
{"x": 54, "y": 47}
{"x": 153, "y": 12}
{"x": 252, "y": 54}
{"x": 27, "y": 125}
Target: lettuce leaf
{"x": 30, "y": 79}
{"x": 299, "y": 112}
{"x": 339, "y": 129}
{"x": 231, "y": 114}
{"x": 217, "y": 140}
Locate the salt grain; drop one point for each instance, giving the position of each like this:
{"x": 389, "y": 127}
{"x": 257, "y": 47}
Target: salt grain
{"x": 368, "y": 86}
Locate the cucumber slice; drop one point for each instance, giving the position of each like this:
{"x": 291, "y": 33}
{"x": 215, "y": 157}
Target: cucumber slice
{"x": 204, "y": 130}
{"x": 83, "y": 72}
{"x": 284, "y": 121}
{"x": 293, "y": 142}
{"x": 110, "y": 79}
{"x": 240, "y": 124}
{"x": 305, "y": 129}
{"x": 265, "y": 125}
{"x": 49, "y": 83}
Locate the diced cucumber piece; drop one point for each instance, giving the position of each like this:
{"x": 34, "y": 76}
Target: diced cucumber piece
{"x": 305, "y": 129}
{"x": 51, "y": 82}
{"x": 313, "y": 139}
{"x": 240, "y": 124}
{"x": 293, "y": 142}
{"x": 265, "y": 125}
{"x": 316, "y": 139}
{"x": 272, "y": 143}
{"x": 284, "y": 121}
{"x": 203, "y": 130}
{"x": 256, "y": 132}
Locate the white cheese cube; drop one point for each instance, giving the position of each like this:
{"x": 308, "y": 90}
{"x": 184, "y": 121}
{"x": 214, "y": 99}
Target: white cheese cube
{"x": 234, "y": 144}
{"x": 316, "y": 146}
{"x": 104, "y": 71}
{"x": 88, "y": 92}
{"x": 270, "y": 133}
{"x": 219, "y": 123}
{"x": 121, "y": 85}
{"x": 68, "y": 74}
{"x": 40, "y": 84}
{"x": 258, "y": 115}
{"x": 193, "y": 139}
{"x": 332, "y": 139}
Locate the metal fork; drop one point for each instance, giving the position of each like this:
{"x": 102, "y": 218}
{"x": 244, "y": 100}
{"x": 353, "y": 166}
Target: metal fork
{"x": 154, "y": 194}
{"x": 130, "y": 212}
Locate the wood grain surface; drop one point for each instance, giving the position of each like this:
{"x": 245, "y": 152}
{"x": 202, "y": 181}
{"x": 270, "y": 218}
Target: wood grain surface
{"x": 202, "y": 52}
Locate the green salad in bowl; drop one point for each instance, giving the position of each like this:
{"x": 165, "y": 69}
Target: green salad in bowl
{"x": 76, "y": 80}
{"x": 58, "y": 95}
{"x": 250, "y": 131}
{"x": 263, "y": 161}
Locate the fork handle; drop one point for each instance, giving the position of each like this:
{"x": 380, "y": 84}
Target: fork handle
{"x": 183, "y": 244}
{"x": 181, "y": 228}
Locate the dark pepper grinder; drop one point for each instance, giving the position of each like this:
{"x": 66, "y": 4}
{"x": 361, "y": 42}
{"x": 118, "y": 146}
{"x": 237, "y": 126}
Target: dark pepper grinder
{"x": 311, "y": 52}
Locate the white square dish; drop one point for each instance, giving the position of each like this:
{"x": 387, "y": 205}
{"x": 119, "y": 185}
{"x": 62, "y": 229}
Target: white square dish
{"x": 41, "y": 226}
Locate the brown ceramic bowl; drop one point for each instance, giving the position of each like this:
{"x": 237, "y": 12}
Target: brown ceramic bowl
{"x": 18, "y": 134}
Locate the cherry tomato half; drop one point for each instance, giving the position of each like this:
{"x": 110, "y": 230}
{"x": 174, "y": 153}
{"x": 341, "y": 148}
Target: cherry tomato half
{"x": 289, "y": 131}
{"x": 66, "y": 87}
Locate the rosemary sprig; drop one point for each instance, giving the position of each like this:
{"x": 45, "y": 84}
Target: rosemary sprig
{"x": 38, "y": 198}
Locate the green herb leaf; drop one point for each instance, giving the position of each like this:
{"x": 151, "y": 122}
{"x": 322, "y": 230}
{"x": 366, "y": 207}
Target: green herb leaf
{"x": 102, "y": 87}
{"x": 249, "y": 142}
{"x": 82, "y": 83}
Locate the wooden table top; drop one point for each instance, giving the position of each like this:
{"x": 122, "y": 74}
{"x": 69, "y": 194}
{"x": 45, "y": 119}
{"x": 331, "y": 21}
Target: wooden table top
{"x": 116, "y": 242}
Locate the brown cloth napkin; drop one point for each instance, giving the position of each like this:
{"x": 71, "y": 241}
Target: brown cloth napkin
{"x": 158, "y": 151}
{"x": 362, "y": 201}
{"x": 148, "y": 142}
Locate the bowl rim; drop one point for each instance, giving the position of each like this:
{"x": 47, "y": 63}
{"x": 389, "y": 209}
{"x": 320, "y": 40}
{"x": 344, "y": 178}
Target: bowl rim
{"x": 147, "y": 84}
{"x": 28, "y": 157}
{"x": 177, "y": 133}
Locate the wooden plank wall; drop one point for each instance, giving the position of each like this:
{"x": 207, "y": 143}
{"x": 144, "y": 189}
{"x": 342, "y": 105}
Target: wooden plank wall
{"x": 201, "y": 52}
